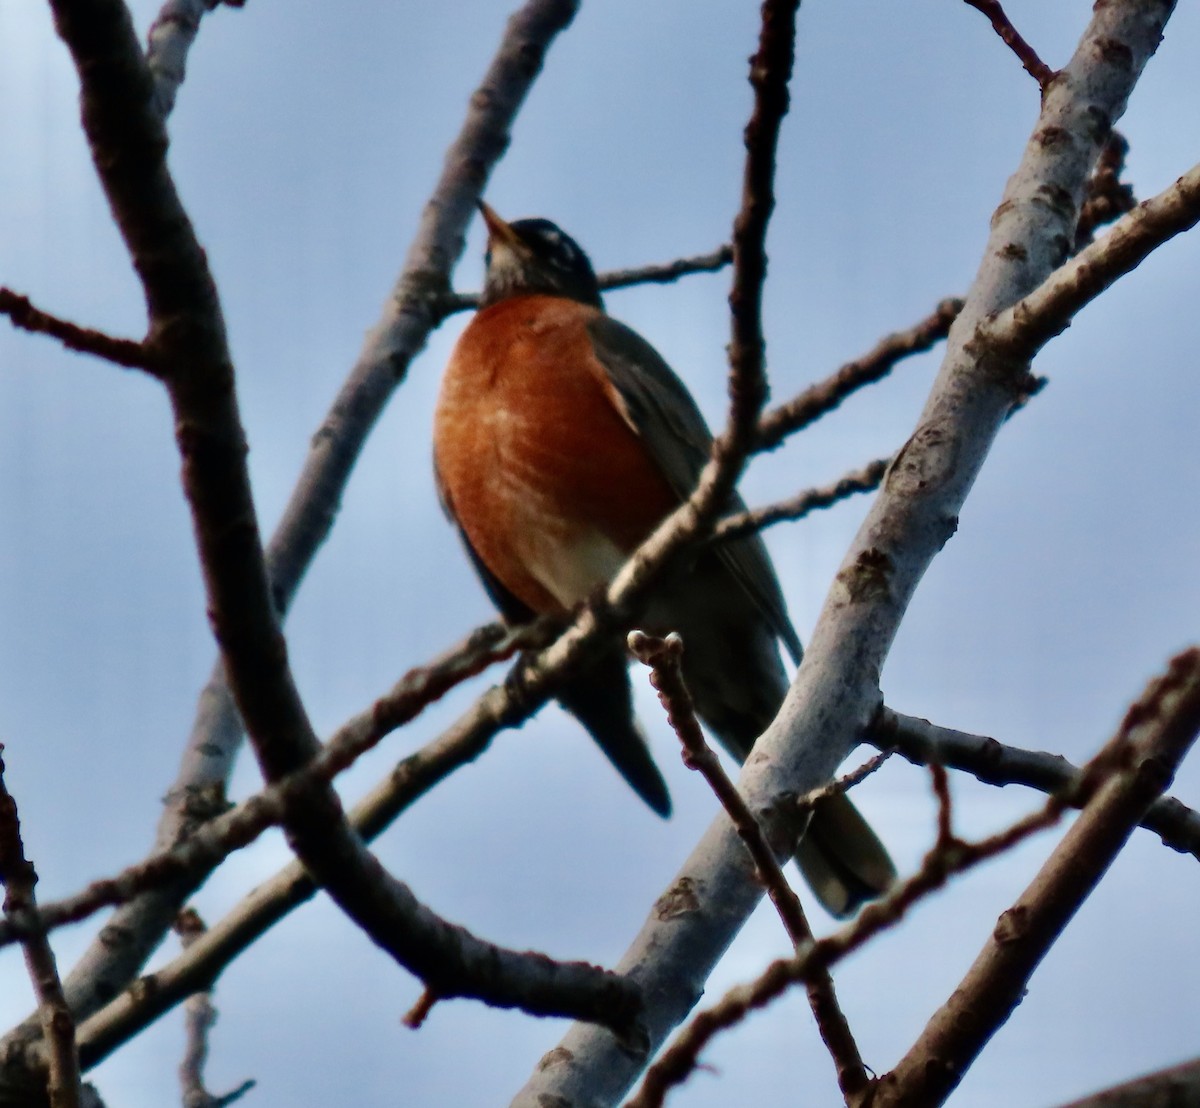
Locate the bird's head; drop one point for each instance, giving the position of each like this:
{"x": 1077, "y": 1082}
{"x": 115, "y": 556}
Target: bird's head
{"x": 531, "y": 257}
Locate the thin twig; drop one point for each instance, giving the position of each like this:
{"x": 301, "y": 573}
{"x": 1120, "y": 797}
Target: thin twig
{"x": 1034, "y": 65}
{"x": 663, "y": 657}
{"x": 20, "y": 906}
{"x": 416, "y": 1016}
{"x": 996, "y": 763}
{"x": 865, "y": 479}
{"x": 122, "y": 352}
{"x": 823, "y": 397}
{"x": 199, "y": 1017}
{"x": 658, "y": 273}
{"x": 845, "y": 782}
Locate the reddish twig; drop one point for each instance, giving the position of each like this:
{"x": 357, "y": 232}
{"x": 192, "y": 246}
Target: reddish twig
{"x": 663, "y": 658}
{"x": 122, "y": 352}
{"x": 845, "y": 782}
{"x": 20, "y": 907}
{"x": 1034, "y": 65}
{"x": 419, "y": 1012}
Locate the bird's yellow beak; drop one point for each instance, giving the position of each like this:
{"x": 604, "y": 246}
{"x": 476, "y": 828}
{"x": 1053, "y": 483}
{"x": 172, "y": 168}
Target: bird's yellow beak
{"x": 499, "y": 232}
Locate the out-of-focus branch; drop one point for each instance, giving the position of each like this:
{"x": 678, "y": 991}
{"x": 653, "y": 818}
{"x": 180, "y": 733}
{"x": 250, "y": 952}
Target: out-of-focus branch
{"x": 20, "y": 906}
{"x": 1141, "y": 759}
{"x": 123, "y": 352}
{"x": 1034, "y": 66}
{"x": 662, "y": 656}
{"x": 661, "y": 273}
{"x": 199, "y": 1017}
{"x": 823, "y": 397}
{"x": 996, "y": 763}
{"x": 1177, "y": 1087}
{"x": 136, "y": 929}
{"x": 1108, "y": 198}
{"x": 796, "y": 507}
{"x": 171, "y": 36}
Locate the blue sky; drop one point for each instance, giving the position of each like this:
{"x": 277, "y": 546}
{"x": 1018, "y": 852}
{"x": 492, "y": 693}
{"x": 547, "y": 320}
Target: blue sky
{"x": 304, "y": 144}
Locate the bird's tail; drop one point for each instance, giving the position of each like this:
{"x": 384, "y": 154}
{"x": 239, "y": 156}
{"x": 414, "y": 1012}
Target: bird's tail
{"x": 842, "y": 859}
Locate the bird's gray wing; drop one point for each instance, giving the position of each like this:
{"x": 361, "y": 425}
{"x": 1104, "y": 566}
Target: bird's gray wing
{"x": 657, "y": 405}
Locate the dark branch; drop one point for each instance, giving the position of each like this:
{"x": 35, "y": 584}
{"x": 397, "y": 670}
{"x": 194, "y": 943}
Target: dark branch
{"x": 122, "y": 352}
{"x": 20, "y": 907}
{"x": 661, "y": 273}
{"x": 1107, "y": 198}
{"x": 401, "y": 332}
{"x": 1034, "y": 65}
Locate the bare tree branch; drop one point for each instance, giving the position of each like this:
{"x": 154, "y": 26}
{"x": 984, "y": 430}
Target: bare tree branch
{"x": 835, "y": 693}
{"x": 661, "y": 273}
{"x": 199, "y": 1017}
{"x": 171, "y": 36}
{"x": 1108, "y": 198}
{"x": 20, "y": 906}
{"x": 662, "y": 656}
{"x": 1022, "y": 329}
{"x": 239, "y": 826}
{"x": 995, "y": 763}
{"x": 796, "y": 507}
{"x": 1176, "y": 1087}
{"x": 122, "y": 352}
{"x": 823, "y": 397}
{"x": 1154, "y": 737}
{"x": 1034, "y": 66}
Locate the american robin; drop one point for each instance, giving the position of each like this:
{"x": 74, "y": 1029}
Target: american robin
{"x": 561, "y": 439}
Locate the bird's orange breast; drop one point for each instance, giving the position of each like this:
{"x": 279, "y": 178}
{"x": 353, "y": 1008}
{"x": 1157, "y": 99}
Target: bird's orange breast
{"x": 552, "y": 487}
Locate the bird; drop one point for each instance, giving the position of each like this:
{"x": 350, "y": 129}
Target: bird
{"x": 561, "y": 440}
